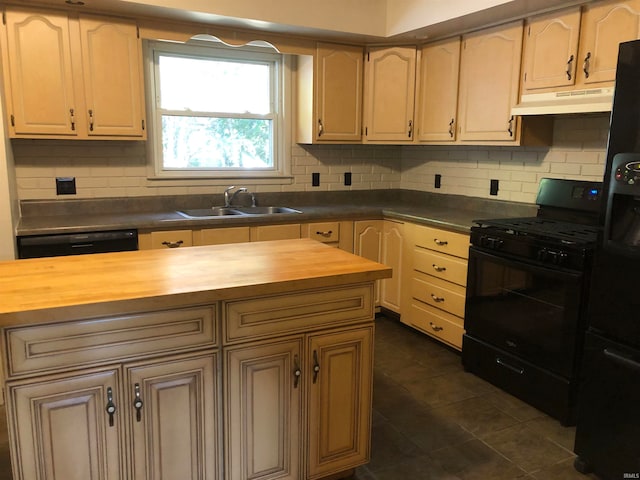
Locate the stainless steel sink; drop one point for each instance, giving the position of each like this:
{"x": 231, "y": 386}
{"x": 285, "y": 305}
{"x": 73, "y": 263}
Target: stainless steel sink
{"x": 208, "y": 212}
{"x": 234, "y": 211}
{"x": 266, "y": 210}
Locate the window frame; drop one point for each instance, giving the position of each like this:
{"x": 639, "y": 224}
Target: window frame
{"x": 281, "y": 86}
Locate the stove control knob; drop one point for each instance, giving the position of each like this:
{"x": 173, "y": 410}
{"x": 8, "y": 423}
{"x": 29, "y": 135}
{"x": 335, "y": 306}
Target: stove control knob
{"x": 542, "y": 254}
{"x": 491, "y": 242}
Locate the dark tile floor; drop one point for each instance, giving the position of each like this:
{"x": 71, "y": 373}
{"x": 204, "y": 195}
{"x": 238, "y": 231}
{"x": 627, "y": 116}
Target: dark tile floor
{"x": 433, "y": 421}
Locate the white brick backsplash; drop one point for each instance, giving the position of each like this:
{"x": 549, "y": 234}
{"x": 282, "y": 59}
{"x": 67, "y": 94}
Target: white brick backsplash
{"x": 108, "y": 169}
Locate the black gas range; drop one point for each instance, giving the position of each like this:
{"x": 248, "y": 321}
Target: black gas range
{"x": 526, "y": 292}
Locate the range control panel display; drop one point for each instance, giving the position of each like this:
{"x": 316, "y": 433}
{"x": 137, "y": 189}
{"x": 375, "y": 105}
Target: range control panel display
{"x": 590, "y": 193}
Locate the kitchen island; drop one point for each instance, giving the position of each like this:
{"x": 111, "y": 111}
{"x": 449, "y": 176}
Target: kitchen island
{"x": 231, "y": 361}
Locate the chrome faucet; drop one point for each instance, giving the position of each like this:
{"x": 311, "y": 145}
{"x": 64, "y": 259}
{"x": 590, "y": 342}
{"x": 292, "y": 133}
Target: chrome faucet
{"x": 228, "y": 199}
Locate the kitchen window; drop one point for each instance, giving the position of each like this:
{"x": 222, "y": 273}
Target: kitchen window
{"x": 218, "y": 111}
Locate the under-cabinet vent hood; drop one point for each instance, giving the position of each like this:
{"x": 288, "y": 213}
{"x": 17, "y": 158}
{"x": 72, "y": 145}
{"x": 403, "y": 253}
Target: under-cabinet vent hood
{"x": 576, "y": 101}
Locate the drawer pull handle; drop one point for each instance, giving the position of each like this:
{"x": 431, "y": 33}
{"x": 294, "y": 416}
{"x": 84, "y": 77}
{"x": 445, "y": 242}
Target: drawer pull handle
{"x": 436, "y": 298}
{"x": 137, "y": 402}
{"x": 316, "y": 366}
{"x": 438, "y": 268}
{"x": 440, "y": 243}
{"x": 110, "y": 407}
{"x": 325, "y": 234}
{"x": 502, "y": 363}
{"x": 173, "y": 244}
{"x": 296, "y": 372}
{"x": 435, "y": 327}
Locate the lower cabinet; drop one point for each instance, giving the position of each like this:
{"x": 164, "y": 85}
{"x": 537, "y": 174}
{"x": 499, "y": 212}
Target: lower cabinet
{"x": 138, "y": 420}
{"x": 281, "y": 395}
{"x": 382, "y": 241}
{"x": 434, "y": 282}
{"x": 142, "y": 394}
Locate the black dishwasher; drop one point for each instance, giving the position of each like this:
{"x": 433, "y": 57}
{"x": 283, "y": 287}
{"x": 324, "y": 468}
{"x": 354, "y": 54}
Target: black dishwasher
{"x": 77, "y": 243}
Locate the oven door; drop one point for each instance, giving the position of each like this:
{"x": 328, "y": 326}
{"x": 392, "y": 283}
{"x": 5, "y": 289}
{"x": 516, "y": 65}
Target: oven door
{"x": 528, "y": 310}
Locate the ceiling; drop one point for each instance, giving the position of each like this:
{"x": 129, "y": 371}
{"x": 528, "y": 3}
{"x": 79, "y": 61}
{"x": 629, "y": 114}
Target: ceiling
{"x": 357, "y": 21}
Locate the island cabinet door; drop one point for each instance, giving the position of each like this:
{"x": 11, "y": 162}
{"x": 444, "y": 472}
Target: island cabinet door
{"x": 340, "y": 396}
{"x": 263, "y": 392}
{"x": 173, "y": 414}
{"x": 62, "y": 428}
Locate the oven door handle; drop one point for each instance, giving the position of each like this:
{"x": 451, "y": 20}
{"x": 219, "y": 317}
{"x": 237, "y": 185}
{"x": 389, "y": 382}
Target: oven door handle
{"x": 621, "y": 359}
{"x": 504, "y": 364}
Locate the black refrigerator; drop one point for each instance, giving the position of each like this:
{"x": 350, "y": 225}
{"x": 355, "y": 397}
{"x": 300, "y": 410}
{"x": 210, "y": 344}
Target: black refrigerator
{"x": 608, "y": 425}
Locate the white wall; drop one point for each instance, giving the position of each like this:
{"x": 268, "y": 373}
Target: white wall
{"x": 115, "y": 169}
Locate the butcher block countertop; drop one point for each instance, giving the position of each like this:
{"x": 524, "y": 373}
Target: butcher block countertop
{"x": 45, "y": 289}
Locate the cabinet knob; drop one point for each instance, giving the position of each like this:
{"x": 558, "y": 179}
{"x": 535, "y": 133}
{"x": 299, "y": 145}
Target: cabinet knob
{"x": 435, "y": 327}
{"x": 173, "y": 244}
{"x": 137, "y": 402}
{"x": 585, "y": 65}
{"x": 111, "y": 406}
{"x": 316, "y": 366}
{"x": 569, "y": 67}
{"x": 296, "y": 371}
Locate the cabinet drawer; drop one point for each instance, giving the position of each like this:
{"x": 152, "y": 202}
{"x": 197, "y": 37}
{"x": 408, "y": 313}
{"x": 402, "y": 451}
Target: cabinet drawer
{"x": 326, "y": 232}
{"x": 80, "y": 343}
{"x": 443, "y": 241}
{"x": 171, "y": 239}
{"x": 438, "y": 293}
{"x": 220, "y": 236}
{"x": 445, "y": 267}
{"x": 441, "y": 325}
{"x": 296, "y": 312}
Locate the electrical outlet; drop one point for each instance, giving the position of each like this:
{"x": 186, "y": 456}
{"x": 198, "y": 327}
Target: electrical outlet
{"x": 438, "y": 181}
{"x": 65, "y": 185}
{"x": 493, "y": 190}
{"x": 347, "y": 178}
{"x": 315, "y": 179}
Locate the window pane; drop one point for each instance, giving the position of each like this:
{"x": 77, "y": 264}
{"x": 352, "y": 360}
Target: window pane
{"x": 202, "y": 142}
{"x": 214, "y": 85}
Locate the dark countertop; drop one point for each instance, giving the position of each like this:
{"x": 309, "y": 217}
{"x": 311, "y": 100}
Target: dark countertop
{"x": 452, "y": 212}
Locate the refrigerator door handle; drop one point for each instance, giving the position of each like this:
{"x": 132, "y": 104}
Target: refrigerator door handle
{"x": 621, "y": 359}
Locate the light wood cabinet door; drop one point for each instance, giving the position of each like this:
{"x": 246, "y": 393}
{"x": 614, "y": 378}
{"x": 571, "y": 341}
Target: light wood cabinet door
{"x": 551, "y": 50}
{"x": 391, "y": 255}
{"x": 489, "y": 83}
{"x": 173, "y": 418}
{"x": 42, "y": 94}
{"x": 340, "y": 392}
{"x": 62, "y": 430}
{"x": 604, "y": 26}
{"x": 437, "y": 91}
{"x": 112, "y": 72}
{"x": 263, "y": 396}
{"x": 390, "y": 74}
{"x": 339, "y": 73}
{"x": 367, "y": 243}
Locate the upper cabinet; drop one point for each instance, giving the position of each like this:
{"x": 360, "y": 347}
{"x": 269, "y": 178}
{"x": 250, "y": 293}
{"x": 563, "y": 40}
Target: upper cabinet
{"x": 574, "y": 49}
{"x": 390, "y": 75}
{"x": 72, "y": 78}
{"x": 604, "y": 26}
{"x": 489, "y": 84}
{"x": 551, "y": 50}
{"x": 437, "y": 91}
{"x": 330, "y": 95}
